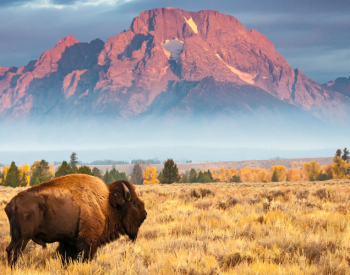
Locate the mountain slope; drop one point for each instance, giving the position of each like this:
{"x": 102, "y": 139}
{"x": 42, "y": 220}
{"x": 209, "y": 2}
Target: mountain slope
{"x": 340, "y": 85}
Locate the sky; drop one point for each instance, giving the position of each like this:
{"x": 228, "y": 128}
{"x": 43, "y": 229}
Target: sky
{"x": 312, "y": 35}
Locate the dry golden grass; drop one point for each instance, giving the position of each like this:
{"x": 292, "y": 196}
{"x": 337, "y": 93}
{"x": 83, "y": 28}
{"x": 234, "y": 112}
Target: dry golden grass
{"x": 218, "y": 228}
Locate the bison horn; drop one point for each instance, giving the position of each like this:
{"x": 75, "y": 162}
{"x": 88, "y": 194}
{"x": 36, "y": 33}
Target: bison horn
{"x": 127, "y": 193}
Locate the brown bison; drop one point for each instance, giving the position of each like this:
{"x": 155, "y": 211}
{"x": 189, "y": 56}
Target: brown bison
{"x": 80, "y": 212}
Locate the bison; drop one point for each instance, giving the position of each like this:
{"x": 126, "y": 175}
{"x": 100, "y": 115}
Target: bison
{"x": 80, "y": 212}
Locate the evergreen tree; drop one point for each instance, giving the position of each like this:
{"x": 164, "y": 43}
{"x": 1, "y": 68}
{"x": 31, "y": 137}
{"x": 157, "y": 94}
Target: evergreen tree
{"x": 210, "y": 176}
{"x": 323, "y": 176}
{"x": 117, "y": 175}
{"x": 24, "y": 180}
{"x": 170, "y": 172}
{"x": 346, "y": 155}
{"x": 13, "y": 178}
{"x": 184, "y": 178}
{"x": 40, "y": 172}
{"x": 274, "y": 176}
{"x": 85, "y": 170}
{"x": 137, "y": 176}
{"x": 160, "y": 177}
{"x": 338, "y": 153}
{"x": 106, "y": 177}
{"x": 200, "y": 176}
{"x": 96, "y": 172}
{"x": 111, "y": 179}
{"x": 122, "y": 176}
{"x": 37, "y": 181}
{"x": 192, "y": 177}
{"x": 73, "y": 161}
{"x": 205, "y": 177}
{"x": 64, "y": 169}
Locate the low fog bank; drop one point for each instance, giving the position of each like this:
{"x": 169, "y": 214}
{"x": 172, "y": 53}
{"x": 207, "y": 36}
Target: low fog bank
{"x": 198, "y": 139}
{"x": 179, "y": 154}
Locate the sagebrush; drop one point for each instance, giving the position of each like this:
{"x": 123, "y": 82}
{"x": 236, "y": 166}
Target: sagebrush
{"x": 217, "y": 228}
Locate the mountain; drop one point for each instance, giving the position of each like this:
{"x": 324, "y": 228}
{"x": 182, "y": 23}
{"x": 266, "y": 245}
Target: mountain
{"x": 170, "y": 62}
{"x": 340, "y": 85}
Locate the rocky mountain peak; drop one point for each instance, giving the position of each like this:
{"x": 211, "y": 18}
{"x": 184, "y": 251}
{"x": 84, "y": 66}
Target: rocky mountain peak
{"x": 67, "y": 41}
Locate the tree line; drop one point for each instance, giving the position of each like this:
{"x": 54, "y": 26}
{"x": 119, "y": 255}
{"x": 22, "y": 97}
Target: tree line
{"x": 309, "y": 171}
{"x": 40, "y": 171}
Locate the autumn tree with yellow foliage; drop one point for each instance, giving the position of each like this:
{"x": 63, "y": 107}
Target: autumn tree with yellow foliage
{"x": 280, "y": 172}
{"x": 312, "y": 170}
{"x": 3, "y": 174}
{"x": 222, "y": 174}
{"x": 340, "y": 168}
{"x": 299, "y": 171}
{"x": 24, "y": 171}
{"x": 215, "y": 174}
{"x": 40, "y": 172}
{"x": 246, "y": 174}
{"x": 150, "y": 176}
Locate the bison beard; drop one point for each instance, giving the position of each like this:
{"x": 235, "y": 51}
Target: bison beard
{"x": 78, "y": 211}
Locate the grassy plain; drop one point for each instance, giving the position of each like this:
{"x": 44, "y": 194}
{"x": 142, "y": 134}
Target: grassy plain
{"x": 218, "y": 228}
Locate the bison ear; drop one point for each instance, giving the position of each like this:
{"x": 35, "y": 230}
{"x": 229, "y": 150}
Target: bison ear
{"x": 116, "y": 199}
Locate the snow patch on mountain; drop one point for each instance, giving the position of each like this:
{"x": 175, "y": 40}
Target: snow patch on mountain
{"x": 173, "y": 49}
{"x": 193, "y": 25}
{"x": 243, "y": 76}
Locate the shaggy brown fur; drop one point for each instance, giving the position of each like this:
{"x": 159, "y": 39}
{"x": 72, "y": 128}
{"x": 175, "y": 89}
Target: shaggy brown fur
{"x": 79, "y": 211}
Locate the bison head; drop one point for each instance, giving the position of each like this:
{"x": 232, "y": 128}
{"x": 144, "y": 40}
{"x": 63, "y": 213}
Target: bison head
{"x": 122, "y": 196}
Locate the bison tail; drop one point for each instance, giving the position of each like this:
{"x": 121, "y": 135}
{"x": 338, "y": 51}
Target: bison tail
{"x": 14, "y": 227}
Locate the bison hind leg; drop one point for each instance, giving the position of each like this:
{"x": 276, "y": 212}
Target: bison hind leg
{"x": 68, "y": 251}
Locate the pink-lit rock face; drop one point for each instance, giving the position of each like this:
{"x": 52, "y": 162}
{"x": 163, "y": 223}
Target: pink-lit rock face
{"x": 3, "y": 70}
{"x": 48, "y": 61}
{"x": 198, "y": 53}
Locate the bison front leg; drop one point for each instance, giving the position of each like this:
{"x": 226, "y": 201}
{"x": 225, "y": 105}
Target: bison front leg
{"x": 87, "y": 249}
{"x": 91, "y": 226}
{"x": 14, "y": 249}
{"x": 68, "y": 251}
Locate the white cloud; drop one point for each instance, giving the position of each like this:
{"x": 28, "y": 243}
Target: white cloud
{"x": 49, "y": 4}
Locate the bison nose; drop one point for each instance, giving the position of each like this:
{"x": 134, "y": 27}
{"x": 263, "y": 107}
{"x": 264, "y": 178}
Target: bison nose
{"x": 145, "y": 214}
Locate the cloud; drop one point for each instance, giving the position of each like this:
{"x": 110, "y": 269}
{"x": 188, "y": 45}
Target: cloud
{"x": 59, "y": 4}
{"x": 9, "y": 3}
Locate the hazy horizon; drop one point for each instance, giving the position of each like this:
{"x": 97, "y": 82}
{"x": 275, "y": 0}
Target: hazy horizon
{"x": 219, "y": 139}
{"x": 202, "y": 154}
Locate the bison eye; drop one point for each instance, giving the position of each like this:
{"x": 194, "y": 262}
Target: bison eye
{"x": 135, "y": 203}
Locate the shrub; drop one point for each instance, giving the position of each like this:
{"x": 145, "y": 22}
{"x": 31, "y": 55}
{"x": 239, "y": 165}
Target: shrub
{"x": 236, "y": 179}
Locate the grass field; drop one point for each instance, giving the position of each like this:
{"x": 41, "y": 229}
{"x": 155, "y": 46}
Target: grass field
{"x": 218, "y": 228}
